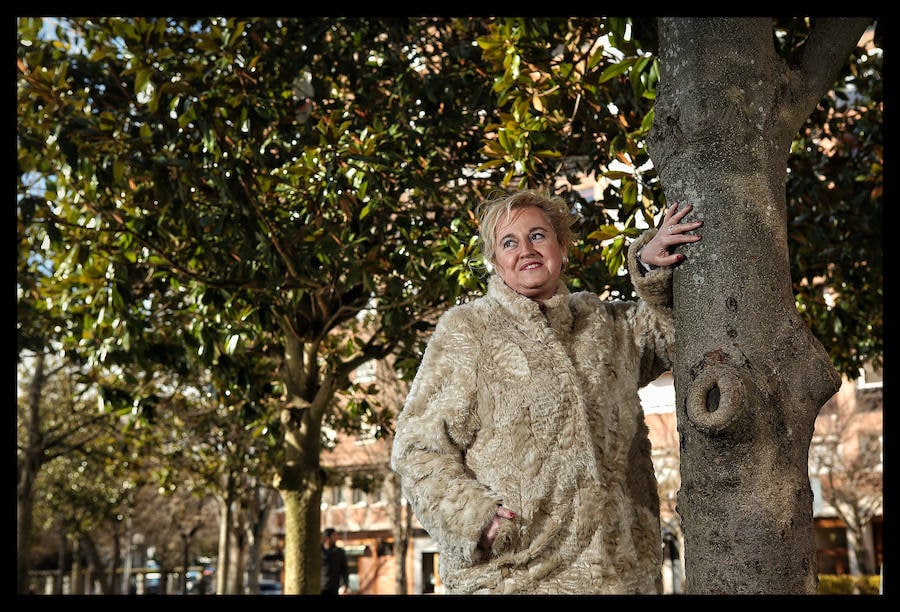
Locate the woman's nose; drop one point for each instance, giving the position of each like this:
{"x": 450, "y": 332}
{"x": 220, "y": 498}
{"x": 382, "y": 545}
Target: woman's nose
{"x": 527, "y": 247}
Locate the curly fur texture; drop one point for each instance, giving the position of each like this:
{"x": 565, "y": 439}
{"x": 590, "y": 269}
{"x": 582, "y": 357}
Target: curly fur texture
{"x": 538, "y": 409}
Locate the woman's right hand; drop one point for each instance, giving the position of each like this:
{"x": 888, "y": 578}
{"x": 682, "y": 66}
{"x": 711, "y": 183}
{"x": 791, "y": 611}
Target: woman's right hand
{"x": 490, "y": 532}
{"x": 671, "y": 234}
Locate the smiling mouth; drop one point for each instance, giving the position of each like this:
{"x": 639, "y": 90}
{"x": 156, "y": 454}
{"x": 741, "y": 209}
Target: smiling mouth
{"x": 530, "y": 266}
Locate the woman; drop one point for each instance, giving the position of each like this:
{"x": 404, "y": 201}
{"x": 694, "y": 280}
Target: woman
{"x": 522, "y": 446}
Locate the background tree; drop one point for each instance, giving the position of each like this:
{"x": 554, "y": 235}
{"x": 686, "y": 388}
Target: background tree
{"x": 849, "y": 463}
{"x": 836, "y": 212}
{"x": 258, "y": 505}
{"x": 87, "y": 486}
{"x": 274, "y": 180}
{"x": 200, "y": 445}
{"x": 174, "y": 527}
{"x": 67, "y": 460}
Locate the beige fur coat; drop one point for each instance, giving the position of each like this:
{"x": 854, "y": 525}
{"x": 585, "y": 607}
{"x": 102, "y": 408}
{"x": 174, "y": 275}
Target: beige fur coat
{"x": 540, "y": 411}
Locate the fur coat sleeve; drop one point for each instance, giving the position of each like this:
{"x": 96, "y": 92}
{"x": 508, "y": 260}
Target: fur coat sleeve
{"x": 437, "y": 425}
{"x": 653, "y": 319}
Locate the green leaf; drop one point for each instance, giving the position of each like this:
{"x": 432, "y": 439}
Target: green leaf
{"x": 615, "y": 70}
{"x": 604, "y": 232}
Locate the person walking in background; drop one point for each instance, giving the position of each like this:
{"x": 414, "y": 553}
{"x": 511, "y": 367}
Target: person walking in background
{"x": 522, "y": 446}
{"x": 335, "y": 570}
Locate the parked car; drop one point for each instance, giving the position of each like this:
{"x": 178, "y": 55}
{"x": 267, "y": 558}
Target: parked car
{"x": 152, "y": 579}
{"x": 269, "y": 587}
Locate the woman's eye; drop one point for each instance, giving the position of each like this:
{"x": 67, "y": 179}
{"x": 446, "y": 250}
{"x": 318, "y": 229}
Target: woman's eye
{"x": 537, "y": 236}
{"x": 508, "y": 244}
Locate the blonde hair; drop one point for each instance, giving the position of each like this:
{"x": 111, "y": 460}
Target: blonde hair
{"x": 492, "y": 211}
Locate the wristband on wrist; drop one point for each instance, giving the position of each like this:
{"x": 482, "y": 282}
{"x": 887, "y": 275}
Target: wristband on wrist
{"x": 647, "y": 267}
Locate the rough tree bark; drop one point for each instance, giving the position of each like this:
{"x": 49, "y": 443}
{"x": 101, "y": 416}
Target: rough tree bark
{"x": 750, "y": 377}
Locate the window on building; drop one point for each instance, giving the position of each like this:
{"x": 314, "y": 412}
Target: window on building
{"x": 831, "y": 546}
{"x": 378, "y": 494}
{"x": 431, "y": 580}
{"x": 385, "y": 548}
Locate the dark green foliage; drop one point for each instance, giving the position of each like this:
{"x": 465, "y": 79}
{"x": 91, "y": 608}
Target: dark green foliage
{"x": 836, "y": 217}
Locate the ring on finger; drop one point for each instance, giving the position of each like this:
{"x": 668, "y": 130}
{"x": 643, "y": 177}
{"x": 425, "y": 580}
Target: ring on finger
{"x": 670, "y": 228}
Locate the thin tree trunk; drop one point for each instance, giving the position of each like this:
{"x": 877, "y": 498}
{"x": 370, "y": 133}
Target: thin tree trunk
{"x": 28, "y": 466}
{"x": 223, "y": 563}
{"x": 402, "y": 526}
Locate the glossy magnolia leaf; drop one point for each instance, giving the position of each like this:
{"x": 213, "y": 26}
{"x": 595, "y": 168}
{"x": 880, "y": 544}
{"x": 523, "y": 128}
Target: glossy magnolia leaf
{"x": 604, "y": 232}
{"x": 616, "y": 69}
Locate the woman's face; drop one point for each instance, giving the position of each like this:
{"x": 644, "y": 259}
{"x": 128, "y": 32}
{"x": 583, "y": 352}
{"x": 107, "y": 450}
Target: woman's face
{"x": 527, "y": 253}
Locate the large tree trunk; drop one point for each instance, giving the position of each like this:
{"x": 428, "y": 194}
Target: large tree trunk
{"x": 750, "y": 377}
{"x": 300, "y": 484}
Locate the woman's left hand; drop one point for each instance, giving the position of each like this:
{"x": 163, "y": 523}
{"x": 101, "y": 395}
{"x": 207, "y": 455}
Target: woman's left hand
{"x": 671, "y": 233}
